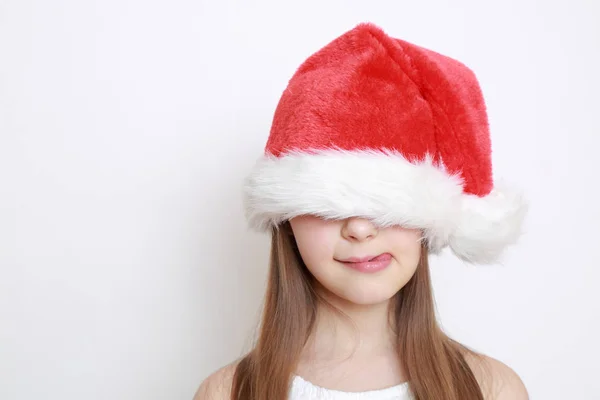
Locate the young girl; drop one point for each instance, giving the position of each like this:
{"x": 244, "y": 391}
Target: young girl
{"x": 379, "y": 154}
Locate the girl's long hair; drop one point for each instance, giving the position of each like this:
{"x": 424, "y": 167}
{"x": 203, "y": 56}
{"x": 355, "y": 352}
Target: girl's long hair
{"x": 434, "y": 364}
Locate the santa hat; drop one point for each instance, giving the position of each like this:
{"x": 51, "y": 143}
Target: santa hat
{"x": 378, "y": 127}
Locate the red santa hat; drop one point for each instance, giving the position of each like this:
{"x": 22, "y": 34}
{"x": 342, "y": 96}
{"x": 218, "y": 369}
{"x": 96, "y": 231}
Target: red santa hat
{"x": 378, "y": 127}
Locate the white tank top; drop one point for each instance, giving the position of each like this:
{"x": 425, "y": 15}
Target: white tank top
{"x": 304, "y": 390}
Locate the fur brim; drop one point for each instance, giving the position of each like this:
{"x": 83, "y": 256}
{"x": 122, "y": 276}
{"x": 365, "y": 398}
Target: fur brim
{"x": 388, "y": 189}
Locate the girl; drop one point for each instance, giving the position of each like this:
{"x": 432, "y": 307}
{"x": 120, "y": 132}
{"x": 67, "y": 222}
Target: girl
{"x": 378, "y": 155}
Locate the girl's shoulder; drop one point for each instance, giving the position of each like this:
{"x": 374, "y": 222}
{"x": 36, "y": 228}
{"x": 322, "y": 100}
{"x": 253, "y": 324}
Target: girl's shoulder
{"x": 497, "y": 380}
{"x": 218, "y": 385}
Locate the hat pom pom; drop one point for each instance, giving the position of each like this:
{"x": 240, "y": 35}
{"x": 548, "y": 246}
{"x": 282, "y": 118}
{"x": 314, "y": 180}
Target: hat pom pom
{"x": 489, "y": 224}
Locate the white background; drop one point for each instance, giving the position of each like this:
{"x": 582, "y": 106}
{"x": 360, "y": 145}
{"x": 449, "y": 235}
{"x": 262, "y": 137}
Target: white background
{"x": 126, "y": 128}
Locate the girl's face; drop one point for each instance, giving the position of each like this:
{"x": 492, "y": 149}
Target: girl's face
{"x": 327, "y": 248}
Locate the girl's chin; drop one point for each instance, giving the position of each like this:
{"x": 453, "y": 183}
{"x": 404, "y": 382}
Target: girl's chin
{"x": 367, "y": 297}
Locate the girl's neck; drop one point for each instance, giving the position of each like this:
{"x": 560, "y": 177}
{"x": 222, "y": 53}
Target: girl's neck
{"x": 362, "y": 330}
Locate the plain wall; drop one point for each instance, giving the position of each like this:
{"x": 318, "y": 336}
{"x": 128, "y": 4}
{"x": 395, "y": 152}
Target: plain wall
{"x": 126, "y": 128}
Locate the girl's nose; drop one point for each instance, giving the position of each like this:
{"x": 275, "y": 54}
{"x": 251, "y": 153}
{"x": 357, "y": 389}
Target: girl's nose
{"x": 359, "y": 229}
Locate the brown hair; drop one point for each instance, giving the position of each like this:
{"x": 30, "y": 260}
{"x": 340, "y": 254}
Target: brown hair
{"x": 435, "y": 364}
